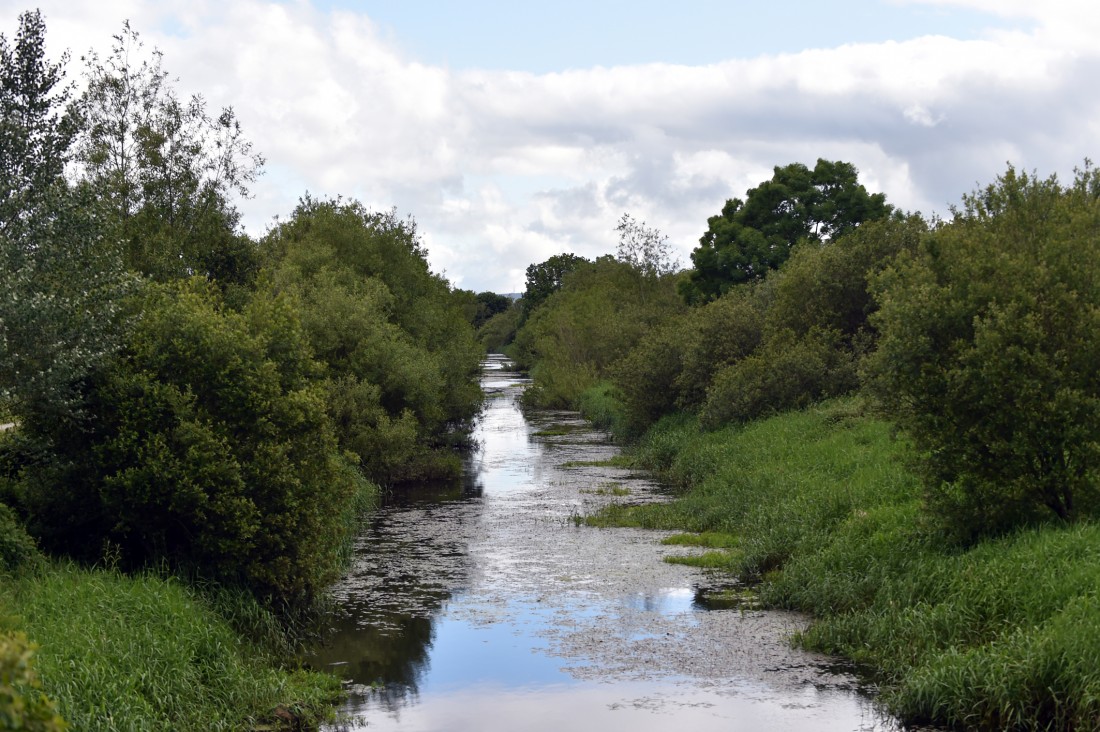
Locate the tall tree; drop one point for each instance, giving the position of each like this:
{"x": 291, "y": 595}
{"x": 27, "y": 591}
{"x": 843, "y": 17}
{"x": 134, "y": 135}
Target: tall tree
{"x": 37, "y": 124}
{"x": 165, "y": 168}
{"x": 58, "y": 285}
{"x": 751, "y": 237}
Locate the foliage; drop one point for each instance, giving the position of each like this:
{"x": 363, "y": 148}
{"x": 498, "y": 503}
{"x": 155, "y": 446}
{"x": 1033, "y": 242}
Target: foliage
{"x": 787, "y": 372}
{"x": 17, "y": 549}
{"x": 490, "y": 304}
{"x": 574, "y": 339}
{"x": 37, "y": 125}
{"x": 143, "y": 652}
{"x": 164, "y": 169}
{"x": 827, "y": 287}
{"x": 208, "y": 447}
{"x": 718, "y": 335}
{"x": 23, "y": 706}
{"x": 395, "y": 343}
{"x": 500, "y": 330}
{"x": 647, "y": 377}
{"x": 751, "y": 237}
{"x": 59, "y": 284}
{"x": 988, "y": 354}
{"x": 546, "y": 278}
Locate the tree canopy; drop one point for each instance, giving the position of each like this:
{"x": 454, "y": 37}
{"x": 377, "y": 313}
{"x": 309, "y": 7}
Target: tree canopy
{"x": 751, "y": 237}
{"x": 545, "y": 278}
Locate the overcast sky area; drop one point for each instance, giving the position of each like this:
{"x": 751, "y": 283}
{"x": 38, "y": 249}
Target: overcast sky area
{"x": 513, "y": 131}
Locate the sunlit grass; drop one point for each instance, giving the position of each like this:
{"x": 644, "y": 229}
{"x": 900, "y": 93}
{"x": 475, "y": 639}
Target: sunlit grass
{"x": 147, "y": 653}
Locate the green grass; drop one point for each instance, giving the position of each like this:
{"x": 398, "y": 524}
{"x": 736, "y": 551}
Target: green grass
{"x": 818, "y": 510}
{"x": 147, "y": 653}
{"x": 608, "y": 489}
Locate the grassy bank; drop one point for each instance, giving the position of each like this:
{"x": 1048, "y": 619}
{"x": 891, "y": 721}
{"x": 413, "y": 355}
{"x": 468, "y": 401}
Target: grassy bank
{"x": 147, "y": 653}
{"x": 819, "y": 506}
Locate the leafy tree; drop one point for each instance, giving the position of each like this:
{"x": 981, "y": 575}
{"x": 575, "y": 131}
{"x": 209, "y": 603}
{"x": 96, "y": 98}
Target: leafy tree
{"x": 546, "y": 278}
{"x": 490, "y": 304}
{"x": 37, "y": 124}
{"x": 988, "y": 353}
{"x": 576, "y": 336}
{"x": 165, "y": 168}
{"x": 59, "y": 284}
{"x": 751, "y": 237}
{"x": 397, "y": 346}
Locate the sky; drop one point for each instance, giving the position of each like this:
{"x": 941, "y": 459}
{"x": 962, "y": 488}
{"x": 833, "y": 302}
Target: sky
{"x": 513, "y": 131}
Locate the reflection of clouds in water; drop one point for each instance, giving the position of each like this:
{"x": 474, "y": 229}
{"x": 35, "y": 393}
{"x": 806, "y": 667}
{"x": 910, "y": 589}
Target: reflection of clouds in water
{"x": 628, "y": 707}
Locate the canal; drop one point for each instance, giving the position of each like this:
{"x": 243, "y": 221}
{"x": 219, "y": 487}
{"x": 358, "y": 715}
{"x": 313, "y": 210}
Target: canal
{"x": 488, "y": 605}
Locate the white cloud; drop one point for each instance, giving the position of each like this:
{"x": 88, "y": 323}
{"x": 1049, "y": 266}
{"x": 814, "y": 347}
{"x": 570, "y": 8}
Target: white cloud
{"x": 502, "y": 169}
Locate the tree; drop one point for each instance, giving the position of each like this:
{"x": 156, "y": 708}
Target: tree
{"x": 751, "y": 237}
{"x": 59, "y": 283}
{"x": 988, "y": 350}
{"x": 644, "y": 248}
{"x": 164, "y": 168}
{"x": 397, "y": 346}
{"x": 545, "y": 278}
{"x": 37, "y": 124}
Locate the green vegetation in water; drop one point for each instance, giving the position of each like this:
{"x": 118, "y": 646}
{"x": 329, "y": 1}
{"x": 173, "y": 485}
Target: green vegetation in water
{"x": 620, "y": 460}
{"x": 820, "y": 507}
{"x": 608, "y": 489}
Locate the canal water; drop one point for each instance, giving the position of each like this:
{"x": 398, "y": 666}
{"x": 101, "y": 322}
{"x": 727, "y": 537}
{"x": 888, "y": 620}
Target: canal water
{"x": 488, "y": 605}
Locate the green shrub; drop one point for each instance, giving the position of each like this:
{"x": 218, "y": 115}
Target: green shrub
{"x": 988, "y": 355}
{"x": 718, "y": 335}
{"x": 601, "y": 406}
{"x": 208, "y": 447}
{"x": 787, "y": 372}
{"x": 23, "y": 706}
{"x": 573, "y": 339}
{"x": 17, "y": 548}
{"x": 394, "y": 338}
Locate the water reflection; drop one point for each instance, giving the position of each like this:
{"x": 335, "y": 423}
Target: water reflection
{"x": 483, "y": 605}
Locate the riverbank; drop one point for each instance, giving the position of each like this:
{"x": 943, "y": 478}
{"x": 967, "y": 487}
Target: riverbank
{"x": 817, "y": 510}
{"x": 119, "y": 652}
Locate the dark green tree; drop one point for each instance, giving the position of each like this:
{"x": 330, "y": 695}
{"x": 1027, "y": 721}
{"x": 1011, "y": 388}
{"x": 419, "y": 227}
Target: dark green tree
{"x": 37, "y": 124}
{"x": 752, "y": 237}
{"x": 545, "y": 278}
{"x": 488, "y": 305}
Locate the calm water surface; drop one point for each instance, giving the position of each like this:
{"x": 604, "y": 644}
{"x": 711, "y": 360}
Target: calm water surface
{"x": 482, "y": 605}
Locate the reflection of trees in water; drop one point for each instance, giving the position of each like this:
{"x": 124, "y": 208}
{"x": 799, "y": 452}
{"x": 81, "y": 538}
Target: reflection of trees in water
{"x": 402, "y": 577}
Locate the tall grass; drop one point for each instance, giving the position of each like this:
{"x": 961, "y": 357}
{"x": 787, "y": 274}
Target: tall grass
{"x": 146, "y": 653}
{"x": 820, "y": 507}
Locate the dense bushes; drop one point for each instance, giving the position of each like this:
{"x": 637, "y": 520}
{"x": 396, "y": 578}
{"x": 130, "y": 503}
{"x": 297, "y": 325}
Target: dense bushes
{"x": 393, "y": 337}
{"x": 206, "y": 445}
{"x": 794, "y": 338}
{"x": 572, "y": 340}
{"x": 989, "y": 350}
